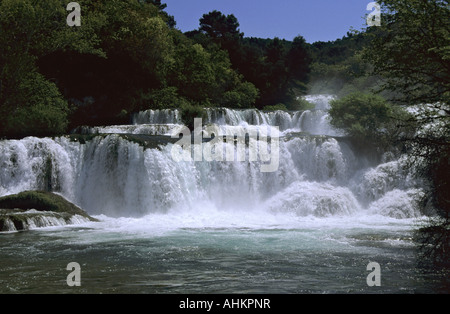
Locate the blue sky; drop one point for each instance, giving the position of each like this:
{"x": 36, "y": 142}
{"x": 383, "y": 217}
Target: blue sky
{"x": 316, "y": 20}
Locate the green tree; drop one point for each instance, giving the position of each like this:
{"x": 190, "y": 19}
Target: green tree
{"x": 38, "y": 109}
{"x": 193, "y": 73}
{"x": 205, "y": 76}
{"x": 298, "y": 61}
{"x": 277, "y": 68}
{"x": 137, "y": 53}
{"x": 411, "y": 51}
{"x": 30, "y": 30}
{"x": 365, "y": 117}
{"x": 221, "y": 28}
{"x": 169, "y": 19}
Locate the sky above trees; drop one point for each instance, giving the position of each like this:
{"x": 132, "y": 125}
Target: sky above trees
{"x": 315, "y": 20}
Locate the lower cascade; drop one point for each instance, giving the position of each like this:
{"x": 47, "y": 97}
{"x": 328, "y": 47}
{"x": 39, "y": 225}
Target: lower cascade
{"x": 320, "y": 173}
{"x": 32, "y": 219}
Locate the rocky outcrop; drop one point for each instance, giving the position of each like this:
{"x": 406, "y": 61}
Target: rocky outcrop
{"x": 34, "y": 209}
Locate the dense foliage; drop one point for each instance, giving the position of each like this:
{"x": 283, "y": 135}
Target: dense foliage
{"x": 366, "y": 117}
{"x": 278, "y": 68}
{"x": 126, "y": 56}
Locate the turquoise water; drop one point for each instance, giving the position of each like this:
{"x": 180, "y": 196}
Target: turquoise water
{"x": 149, "y": 255}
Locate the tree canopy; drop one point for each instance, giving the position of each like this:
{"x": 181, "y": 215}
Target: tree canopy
{"x": 126, "y": 56}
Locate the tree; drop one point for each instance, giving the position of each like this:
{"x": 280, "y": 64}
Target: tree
{"x": 193, "y": 73}
{"x": 411, "y": 51}
{"x": 169, "y": 19}
{"x": 277, "y": 68}
{"x": 30, "y": 30}
{"x": 298, "y": 60}
{"x": 135, "y": 43}
{"x": 366, "y": 117}
{"x": 221, "y": 28}
{"x": 39, "y": 109}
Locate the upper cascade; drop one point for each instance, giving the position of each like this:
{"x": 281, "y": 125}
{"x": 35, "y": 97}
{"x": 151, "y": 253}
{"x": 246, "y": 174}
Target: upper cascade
{"x": 313, "y": 121}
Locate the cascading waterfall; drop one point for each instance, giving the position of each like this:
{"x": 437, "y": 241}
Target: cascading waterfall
{"x": 165, "y": 116}
{"x": 32, "y": 219}
{"x": 196, "y": 226}
{"x": 319, "y": 174}
{"x": 167, "y": 121}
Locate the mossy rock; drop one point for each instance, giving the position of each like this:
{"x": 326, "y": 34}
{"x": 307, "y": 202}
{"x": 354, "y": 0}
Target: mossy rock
{"x": 42, "y": 201}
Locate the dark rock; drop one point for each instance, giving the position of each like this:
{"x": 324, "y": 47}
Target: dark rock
{"x": 16, "y": 208}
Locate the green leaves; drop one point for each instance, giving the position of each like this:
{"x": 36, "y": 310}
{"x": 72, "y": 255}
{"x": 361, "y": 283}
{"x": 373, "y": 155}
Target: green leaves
{"x": 410, "y": 50}
{"x": 222, "y": 28}
{"x": 363, "y": 116}
{"x": 30, "y": 30}
{"x": 37, "y": 109}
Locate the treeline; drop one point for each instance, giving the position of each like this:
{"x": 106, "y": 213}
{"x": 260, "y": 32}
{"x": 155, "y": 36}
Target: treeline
{"x": 278, "y": 68}
{"x": 128, "y": 56}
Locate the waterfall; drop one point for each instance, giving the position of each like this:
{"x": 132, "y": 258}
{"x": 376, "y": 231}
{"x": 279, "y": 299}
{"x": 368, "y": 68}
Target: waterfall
{"x": 319, "y": 175}
{"x": 167, "y": 121}
{"x": 165, "y": 116}
{"x": 33, "y": 219}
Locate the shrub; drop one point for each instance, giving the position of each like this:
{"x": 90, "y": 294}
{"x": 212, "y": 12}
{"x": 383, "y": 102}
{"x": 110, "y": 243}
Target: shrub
{"x": 40, "y": 109}
{"x": 189, "y": 112}
{"x": 300, "y": 104}
{"x": 363, "y": 116}
{"x": 277, "y": 107}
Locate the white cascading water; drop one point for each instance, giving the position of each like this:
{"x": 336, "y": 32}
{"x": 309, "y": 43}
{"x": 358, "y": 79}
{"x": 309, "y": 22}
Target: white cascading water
{"x": 167, "y": 121}
{"x": 32, "y": 219}
{"x": 319, "y": 174}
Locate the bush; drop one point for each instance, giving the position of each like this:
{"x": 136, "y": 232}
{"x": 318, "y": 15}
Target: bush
{"x": 365, "y": 117}
{"x": 40, "y": 109}
{"x": 277, "y": 107}
{"x": 300, "y": 104}
{"x": 165, "y": 98}
{"x": 243, "y": 95}
{"x": 190, "y": 112}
